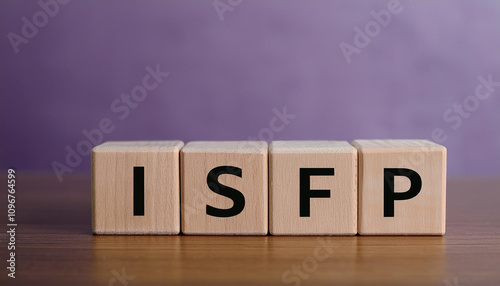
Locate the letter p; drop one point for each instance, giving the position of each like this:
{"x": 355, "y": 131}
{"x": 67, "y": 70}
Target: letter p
{"x": 390, "y": 196}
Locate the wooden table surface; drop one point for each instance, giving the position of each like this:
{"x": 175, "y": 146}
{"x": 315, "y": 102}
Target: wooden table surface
{"x": 55, "y": 247}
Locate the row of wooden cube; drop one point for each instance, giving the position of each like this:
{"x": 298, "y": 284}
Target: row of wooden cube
{"x": 369, "y": 187}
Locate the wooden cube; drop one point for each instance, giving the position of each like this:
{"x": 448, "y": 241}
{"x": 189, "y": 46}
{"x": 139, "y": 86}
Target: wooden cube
{"x": 224, "y": 188}
{"x": 402, "y": 187}
{"x": 312, "y": 188}
{"x": 135, "y": 187}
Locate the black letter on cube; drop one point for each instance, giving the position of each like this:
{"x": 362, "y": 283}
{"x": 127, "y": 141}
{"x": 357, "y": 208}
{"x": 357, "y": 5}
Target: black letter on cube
{"x": 138, "y": 191}
{"x": 216, "y": 187}
{"x": 390, "y": 196}
{"x": 305, "y": 188}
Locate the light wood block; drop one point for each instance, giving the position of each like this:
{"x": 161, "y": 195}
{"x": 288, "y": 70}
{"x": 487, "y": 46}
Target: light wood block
{"x": 301, "y": 170}
{"x": 391, "y": 202}
{"x": 236, "y": 170}
{"x": 117, "y": 204}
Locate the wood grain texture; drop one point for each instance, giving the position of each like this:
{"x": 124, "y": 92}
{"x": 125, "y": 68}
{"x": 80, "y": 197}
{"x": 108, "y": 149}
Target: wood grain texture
{"x": 113, "y": 187}
{"x": 197, "y": 160}
{"x": 424, "y": 214}
{"x": 336, "y": 215}
{"x": 55, "y": 246}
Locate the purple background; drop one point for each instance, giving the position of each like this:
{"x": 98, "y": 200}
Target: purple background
{"x": 227, "y": 76}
